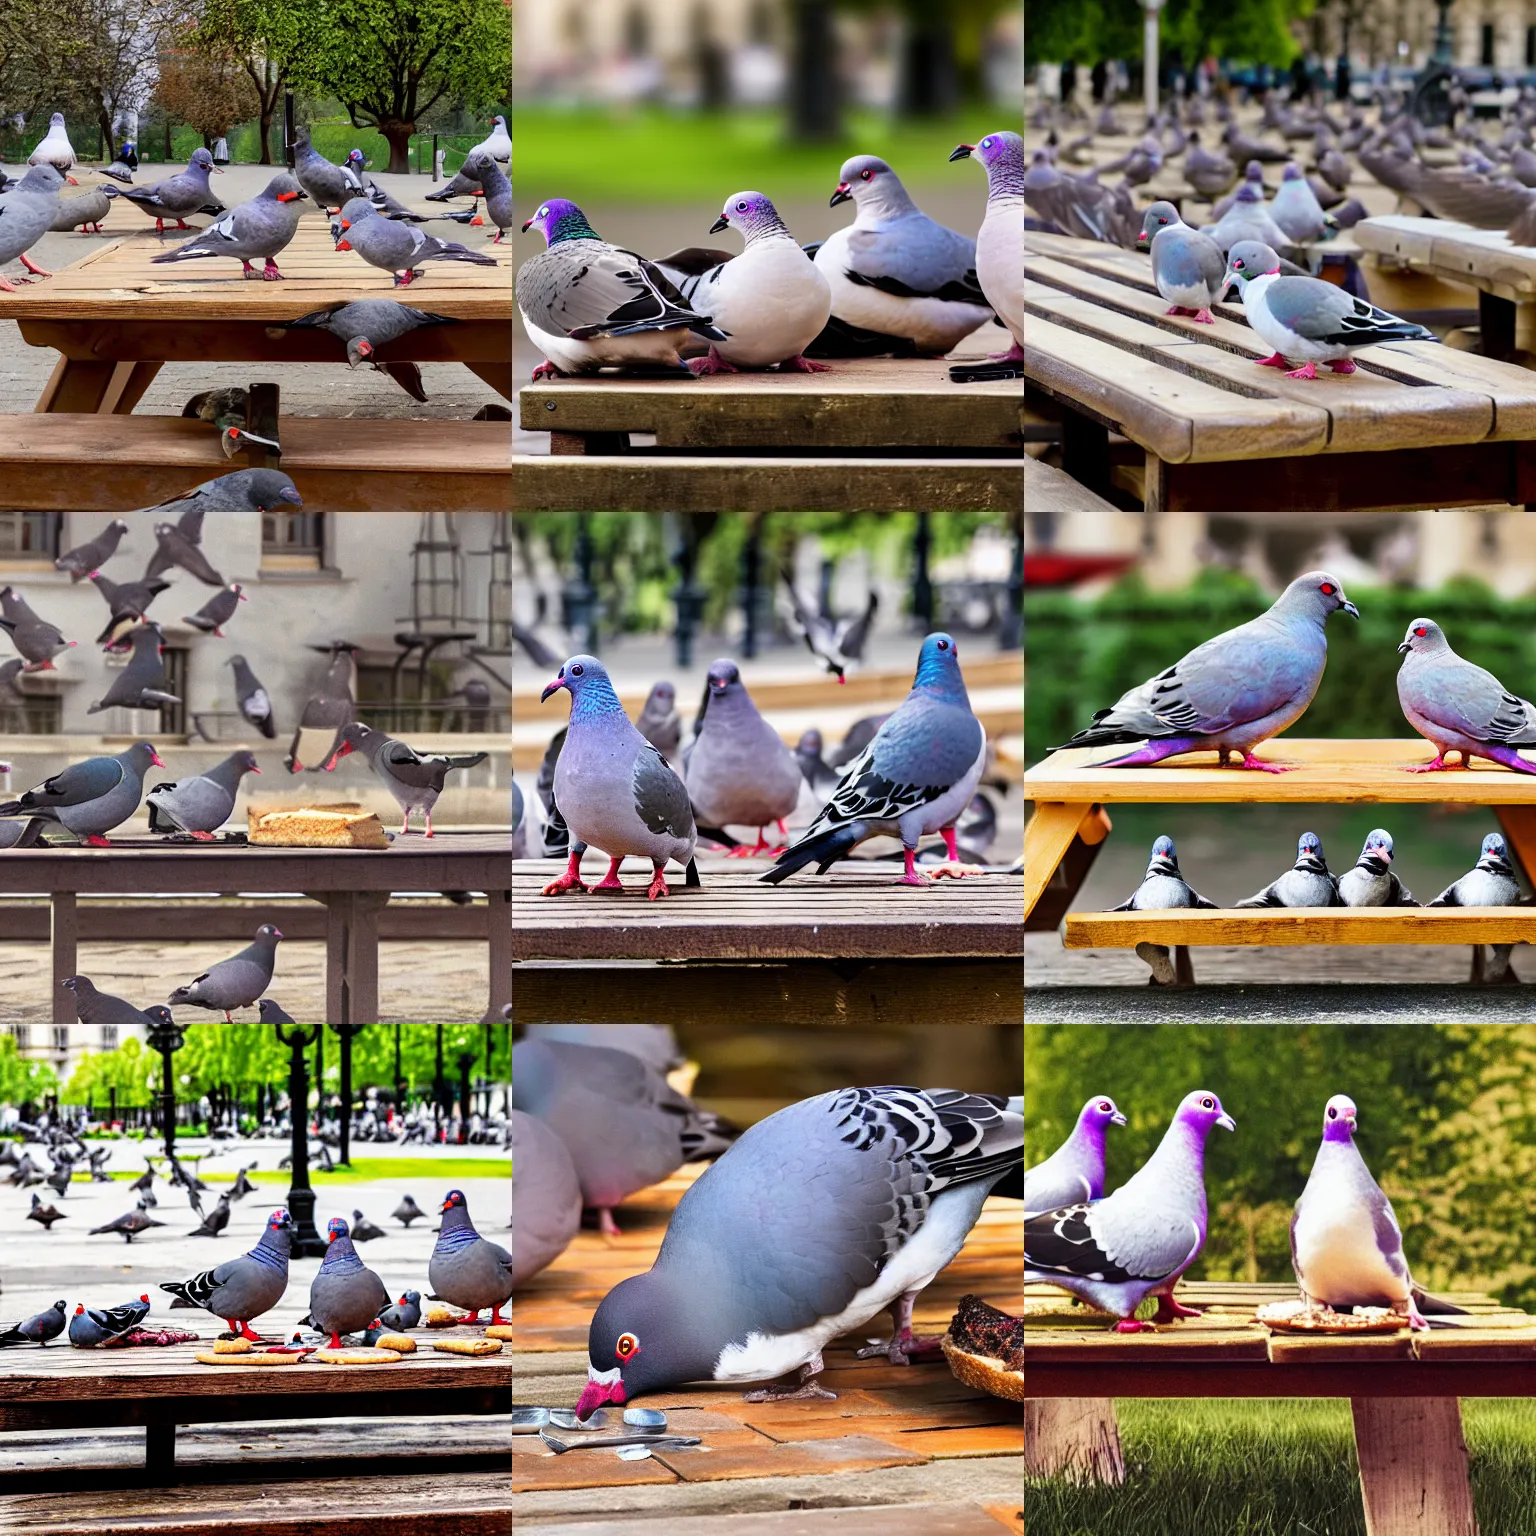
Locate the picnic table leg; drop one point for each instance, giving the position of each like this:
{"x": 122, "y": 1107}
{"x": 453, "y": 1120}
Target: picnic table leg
{"x": 352, "y": 956}
{"x": 498, "y": 932}
{"x": 497, "y": 375}
{"x": 588, "y": 442}
{"x": 1085, "y": 450}
{"x": 160, "y": 1452}
{"x": 1413, "y": 1466}
{"x": 1075, "y": 1437}
{"x": 95, "y": 386}
{"x": 1047, "y": 836}
{"x": 1496, "y": 319}
{"x": 64, "y": 938}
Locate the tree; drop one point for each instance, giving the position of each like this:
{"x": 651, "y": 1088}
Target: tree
{"x": 264, "y": 37}
{"x": 1088, "y": 30}
{"x": 23, "y": 1081}
{"x": 131, "y": 1069}
{"x": 389, "y": 62}
{"x": 208, "y": 91}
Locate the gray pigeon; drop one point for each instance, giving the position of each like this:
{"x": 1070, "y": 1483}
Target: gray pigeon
{"x": 817, "y": 773}
{"x": 1162, "y": 888}
{"x": 1457, "y": 706}
{"x": 89, "y": 1327}
{"x": 1210, "y": 174}
{"x": 1075, "y": 1170}
{"x": 26, "y": 215}
{"x": 404, "y": 1314}
{"x": 363, "y": 1230}
{"x": 176, "y": 196}
{"x": 1491, "y": 883}
{"x": 345, "y": 1295}
{"x": 137, "y": 1220}
{"x": 624, "y": 1125}
{"x": 590, "y": 305}
{"x": 519, "y": 822}
{"x": 1187, "y": 266}
{"x": 329, "y": 184}
{"x": 838, "y": 646}
{"x": 217, "y": 611}
{"x": 93, "y": 1007}
{"x": 89, "y": 209}
{"x": 497, "y": 191}
{"x": 397, "y": 247}
{"x": 86, "y": 559}
{"x": 318, "y": 733}
{"x": 261, "y": 227}
{"x": 820, "y": 1217}
{"x": 407, "y": 1212}
{"x": 1248, "y": 220}
{"x": 1372, "y": 883}
{"x": 242, "y": 490}
{"x": 127, "y": 602}
{"x": 36, "y": 640}
{"x": 89, "y": 798}
{"x": 546, "y": 1197}
{"x": 180, "y": 543}
{"x": 659, "y": 721}
{"x": 1000, "y": 241}
{"x": 414, "y": 779}
{"x": 614, "y": 790}
{"x": 1296, "y": 209}
{"x": 45, "y": 1215}
{"x": 737, "y": 770}
{"x": 36, "y": 1330}
{"x": 467, "y": 1270}
{"x": 215, "y": 1221}
{"x": 237, "y": 982}
{"x": 200, "y": 806}
{"x": 365, "y": 325}
{"x": 1253, "y": 174}
{"x": 254, "y": 701}
{"x": 241, "y": 1289}
{"x": 11, "y": 696}
{"x": 464, "y": 183}
{"x": 1235, "y": 690}
{"x": 655, "y": 1044}
{"x": 142, "y": 683}
{"x": 1306, "y": 884}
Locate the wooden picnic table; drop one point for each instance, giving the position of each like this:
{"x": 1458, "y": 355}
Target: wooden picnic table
{"x": 354, "y": 885}
{"x": 851, "y": 945}
{"x": 1418, "y": 425}
{"x": 1404, "y": 1388}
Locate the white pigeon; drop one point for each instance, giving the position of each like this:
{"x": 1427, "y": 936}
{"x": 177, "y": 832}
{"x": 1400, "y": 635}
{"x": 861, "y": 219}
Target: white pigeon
{"x": 497, "y": 144}
{"x": 55, "y": 149}
{"x": 1000, "y": 242}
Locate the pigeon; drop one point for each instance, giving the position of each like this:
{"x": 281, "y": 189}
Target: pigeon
{"x": 145, "y": 1182}
{"x": 363, "y": 1230}
{"x": 1346, "y": 1245}
{"x": 85, "y": 211}
{"x": 497, "y": 143}
{"x": 614, "y": 789}
{"x": 45, "y": 1215}
{"x": 900, "y": 282}
{"x": 45, "y": 1325}
{"x": 242, "y": 490}
{"x": 1372, "y": 883}
{"x": 26, "y": 215}
{"x": 1306, "y": 884}
{"x": 54, "y": 148}
{"x": 90, "y": 1327}
{"x": 1188, "y": 267}
{"x": 1074, "y": 1172}
{"x": 738, "y": 771}
{"x": 176, "y": 196}
{"x": 365, "y": 325}
{"x": 345, "y": 1296}
{"x": 1115, "y": 1252}
{"x": 200, "y": 806}
{"x": 217, "y": 611}
{"x": 625, "y": 1126}
{"x": 319, "y": 729}
{"x": 467, "y": 1270}
{"x": 463, "y": 184}
{"x": 1243, "y": 148}
{"x": 395, "y": 247}
{"x": 237, "y": 982}
{"x": 820, "y": 1217}
{"x": 11, "y": 695}
{"x": 180, "y": 544}
{"x": 1457, "y": 706}
{"x": 255, "y": 704}
{"x": 1209, "y": 173}
{"x": 261, "y": 227}
{"x": 659, "y": 721}
{"x": 142, "y": 683}
{"x": 26, "y": 1173}
{"x": 405, "y": 1313}
{"x": 328, "y": 184}
{"x": 137, "y": 1220}
{"x": 1234, "y": 690}
{"x": 1253, "y": 175}
{"x": 119, "y": 170}
{"x": 91, "y": 797}
{"x": 215, "y": 1221}
{"x": 242, "y": 1185}
{"x": 1296, "y": 209}
{"x": 916, "y": 777}
{"x": 1248, "y": 219}
{"x": 771, "y": 301}
{"x": 407, "y": 1212}
{"x": 817, "y": 773}
{"x": 546, "y": 1197}
{"x": 59, "y": 1180}
{"x": 1306, "y": 318}
{"x": 86, "y": 559}
{"x": 589, "y": 305}
{"x": 36, "y": 640}
{"x": 1491, "y": 883}
{"x": 241, "y": 1289}
{"x": 414, "y": 779}
{"x": 127, "y": 604}
{"x": 497, "y": 191}
{"x": 1000, "y": 242}
{"x": 1162, "y": 888}
{"x": 837, "y": 646}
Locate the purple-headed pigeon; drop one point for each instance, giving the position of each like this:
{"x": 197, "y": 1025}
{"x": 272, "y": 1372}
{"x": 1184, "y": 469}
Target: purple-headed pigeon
{"x": 1000, "y": 241}
{"x": 1075, "y": 1170}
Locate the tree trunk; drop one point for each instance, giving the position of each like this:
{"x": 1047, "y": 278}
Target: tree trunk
{"x": 813, "y": 92}
{"x": 928, "y": 85}
{"x": 266, "y": 133}
{"x": 104, "y": 125}
{"x": 398, "y": 136}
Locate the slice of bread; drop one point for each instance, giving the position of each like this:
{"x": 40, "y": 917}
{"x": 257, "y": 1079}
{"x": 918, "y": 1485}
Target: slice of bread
{"x": 317, "y": 826}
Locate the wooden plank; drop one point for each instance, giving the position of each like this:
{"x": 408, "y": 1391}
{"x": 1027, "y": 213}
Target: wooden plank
{"x": 1048, "y": 489}
{"x": 808, "y": 1458}
{"x": 1290, "y": 1349}
{"x": 861, "y": 1519}
{"x": 130, "y": 922}
{"x": 1413, "y": 1467}
{"x": 1320, "y": 925}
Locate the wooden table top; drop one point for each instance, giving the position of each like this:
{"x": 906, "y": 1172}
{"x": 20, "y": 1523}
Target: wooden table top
{"x": 857, "y": 913}
{"x": 1485, "y": 258}
{"x": 1327, "y": 772}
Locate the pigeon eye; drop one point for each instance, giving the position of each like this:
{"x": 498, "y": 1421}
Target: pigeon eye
{"x": 741, "y": 207}
{"x": 577, "y": 671}
{"x": 943, "y": 645}
{"x": 1326, "y": 589}
{"x": 543, "y": 212}
{"x": 865, "y": 175}
{"x": 986, "y": 143}
{"x": 1207, "y": 1103}
{"x": 1420, "y": 630}
{"x": 1104, "y": 1107}
{"x": 1333, "y": 1114}
{"x": 627, "y": 1347}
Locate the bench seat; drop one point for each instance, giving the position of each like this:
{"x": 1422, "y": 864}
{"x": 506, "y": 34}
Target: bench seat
{"x": 1303, "y": 925}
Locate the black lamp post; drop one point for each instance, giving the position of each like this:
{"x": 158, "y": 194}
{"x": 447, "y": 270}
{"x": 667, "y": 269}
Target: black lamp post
{"x": 687, "y": 596}
{"x": 922, "y": 585}
{"x": 578, "y": 598}
{"x": 399, "y": 1077}
{"x": 1430, "y": 99}
{"x": 466, "y": 1061}
{"x": 347, "y": 1032}
{"x": 166, "y": 1037}
{"x": 307, "y": 1242}
{"x": 440, "y": 1082}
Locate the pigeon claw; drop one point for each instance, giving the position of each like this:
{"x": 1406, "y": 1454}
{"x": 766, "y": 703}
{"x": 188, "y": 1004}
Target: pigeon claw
{"x": 1344, "y": 365}
{"x": 658, "y": 886}
{"x": 1168, "y": 1308}
{"x": 1436, "y": 765}
{"x": 95, "y": 840}
{"x": 804, "y": 365}
{"x": 1258, "y": 763}
{"x": 1133, "y": 1325}
{"x": 1273, "y": 361}
{"x": 702, "y": 367}
{"x": 545, "y": 370}
{"x": 270, "y": 274}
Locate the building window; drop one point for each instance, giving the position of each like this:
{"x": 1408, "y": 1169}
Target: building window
{"x": 41, "y": 715}
{"x": 29, "y": 535}
{"x": 292, "y": 535}
{"x": 1487, "y": 42}
{"x": 61, "y": 1037}
{"x": 109, "y": 1037}
{"x": 22, "y": 1035}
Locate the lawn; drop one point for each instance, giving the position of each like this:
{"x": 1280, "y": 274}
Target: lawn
{"x": 364, "y": 1170}
{"x": 598, "y": 156}
{"x": 1272, "y": 1468}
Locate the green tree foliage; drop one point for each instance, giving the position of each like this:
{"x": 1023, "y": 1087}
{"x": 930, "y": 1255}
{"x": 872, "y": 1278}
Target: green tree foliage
{"x": 1089, "y": 30}
{"x": 264, "y": 37}
{"x": 132, "y": 1069}
{"x": 23, "y": 1081}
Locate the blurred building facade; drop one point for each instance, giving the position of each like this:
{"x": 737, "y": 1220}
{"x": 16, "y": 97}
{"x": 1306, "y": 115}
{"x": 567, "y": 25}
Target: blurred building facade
{"x": 1500, "y": 34}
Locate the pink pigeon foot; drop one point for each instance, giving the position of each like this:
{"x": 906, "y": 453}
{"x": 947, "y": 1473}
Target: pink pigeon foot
{"x": 702, "y": 367}
{"x": 33, "y": 267}
{"x": 1435, "y": 765}
{"x": 804, "y": 365}
{"x": 97, "y": 841}
{"x": 1176, "y": 309}
{"x": 247, "y": 270}
{"x": 1203, "y": 317}
{"x": 1133, "y": 1325}
{"x": 270, "y": 274}
{"x": 546, "y": 370}
{"x": 610, "y": 881}
{"x": 571, "y": 879}
{"x": 1168, "y": 1309}
{"x": 203, "y": 837}
{"x": 1344, "y": 365}
{"x": 1274, "y": 361}
{"x": 911, "y": 876}
{"x": 658, "y": 886}
{"x": 1258, "y": 763}
{"x": 430, "y": 832}
{"x": 1014, "y": 354}
{"x": 606, "y": 1224}
{"x": 1306, "y": 371}
{"x": 6, "y": 286}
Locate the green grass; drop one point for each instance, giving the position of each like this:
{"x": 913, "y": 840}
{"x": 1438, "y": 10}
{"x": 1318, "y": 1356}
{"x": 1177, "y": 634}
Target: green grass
{"x": 654, "y": 154}
{"x": 1272, "y": 1468}
{"x": 364, "y": 1170}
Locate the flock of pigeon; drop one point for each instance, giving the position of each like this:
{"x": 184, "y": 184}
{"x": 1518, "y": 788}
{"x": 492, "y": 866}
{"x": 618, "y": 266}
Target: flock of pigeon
{"x": 1116, "y": 1251}
{"x": 806, "y": 1226}
{"x": 893, "y": 283}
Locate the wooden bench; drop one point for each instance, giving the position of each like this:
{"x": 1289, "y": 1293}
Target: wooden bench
{"x": 1419, "y": 425}
{"x": 1048, "y": 489}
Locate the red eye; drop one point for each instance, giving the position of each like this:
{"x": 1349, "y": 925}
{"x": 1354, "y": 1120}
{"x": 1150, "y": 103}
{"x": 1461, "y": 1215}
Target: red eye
{"x": 1421, "y": 630}
{"x": 865, "y": 175}
{"x": 627, "y": 1347}
{"x": 1326, "y": 589}
{"x": 1104, "y": 1107}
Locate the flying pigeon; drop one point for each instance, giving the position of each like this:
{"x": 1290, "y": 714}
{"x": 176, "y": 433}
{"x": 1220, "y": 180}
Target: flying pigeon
{"x": 414, "y": 779}
{"x": 137, "y": 1220}
{"x": 737, "y": 770}
{"x": 237, "y": 982}
{"x": 145, "y": 1182}
{"x": 59, "y": 1180}
{"x": 837, "y": 646}
{"x": 820, "y": 1217}
{"x": 1188, "y": 267}
{"x": 345, "y": 1295}
{"x": 771, "y": 301}
{"x": 546, "y": 1196}
{"x": 1234, "y": 690}
{"x": 1491, "y": 883}
{"x": 142, "y": 683}
{"x": 180, "y": 544}
{"x": 1000, "y": 242}
{"x": 1075, "y": 1170}
{"x": 624, "y": 1125}
{"x": 36, "y": 640}
{"x": 200, "y": 806}
{"x": 1306, "y": 884}
{"x": 1372, "y": 883}
{"x": 1458, "y": 706}
{"x": 328, "y": 184}
{"x": 45, "y": 1215}
{"x": 1297, "y": 211}
{"x": 365, "y": 325}
{"x": 84, "y": 212}
{"x": 589, "y": 305}
{"x": 54, "y": 147}
{"x": 242, "y": 490}
{"x": 496, "y": 189}
{"x": 916, "y": 776}
{"x": 1138, "y": 1241}
{"x": 215, "y": 1221}
{"x": 407, "y": 1212}
{"x": 405, "y": 1313}
{"x": 26, "y": 215}
{"x": 217, "y": 611}
{"x": 176, "y": 196}
{"x": 614, "y": 790}
{"x": 91, "y": 797}
{"x": 900, "y": 282}
{"x": 363, "y": 1230}
{"x": 86, "y": 559}
{"x": 497, "y": 143}
{"x": 241, "y": 1289}
{"x": 45, "y": 1325}
{"x": 261, "y": 227}
{"x": 1162, "y": 888}
{"x": 127, "y": 603}
{"x": 319, "y": 730}
{"x": 467, "y": 1270}
{"x": 90, "y": 1327}
{"x": 1306, "y": 318}
{"x": 396, "y": 247}
{"x": 255, "y": 704}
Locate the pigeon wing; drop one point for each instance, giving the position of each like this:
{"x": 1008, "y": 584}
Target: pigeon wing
{"x": 600, "y": 291}
{"x": 1104, "y": 1242}
{"x": 661, "y": 801}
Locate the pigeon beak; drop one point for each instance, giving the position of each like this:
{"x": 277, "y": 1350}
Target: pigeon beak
{"x": 599, "y": 1391}
{"x": 554, "y": 687}
{"x": 343, "y": 245}
{"x": 1350, "y": 609}
{"x": 527, "y": 226}
{"x": 255, "y": 770}
{"x": 1403, "y": 649}
{"x": 1226, "y": 1122}
{"x": 1117, "y": 1118}
{"x": 71, "y": 180}
{"x": 346, "y": 223}
{"x": 721, "y": 223}
{"x": 962, "y": 151}
{"x": 289, "y": 197}
{"x": 155, "y": 760}
{"x": 842, "y": 193}
{"x": 1141, "y": 241}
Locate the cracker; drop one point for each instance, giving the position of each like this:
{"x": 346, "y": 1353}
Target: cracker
{"x": 499, "y": 1331}
{"x": 238, "y": 1346}
{"x": 254, "y": 1358}
{"x": 356, "y": 1356}
{"x": 440, "y": 1317}
{"x": 401, "y": 1343}
{"x": 468, "y": 1346}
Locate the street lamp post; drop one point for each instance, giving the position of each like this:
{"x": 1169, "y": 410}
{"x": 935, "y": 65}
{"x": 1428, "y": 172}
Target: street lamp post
{"x": 167, "y": 1038}
{"x": 1149, "y": 54}
{"x": 466, "y": 1061}
{"x": 347, "y": 1032}
{"x": 307, "y": 1242}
